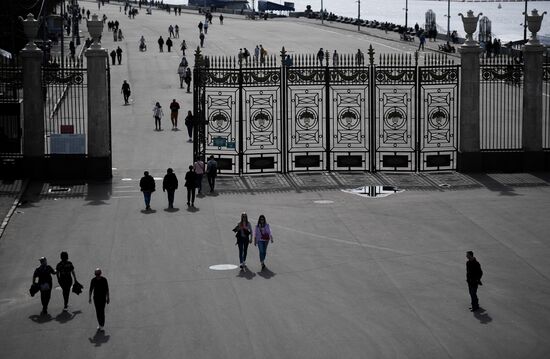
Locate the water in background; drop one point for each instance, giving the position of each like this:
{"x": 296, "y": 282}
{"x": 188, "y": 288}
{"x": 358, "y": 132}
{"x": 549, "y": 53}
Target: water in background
{"x": 506, "y": 22}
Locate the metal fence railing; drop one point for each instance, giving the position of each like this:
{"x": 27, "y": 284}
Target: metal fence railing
{"x": 11, "y": 95}
{"x": 65, "y": 111}
{"x": 501, "y": 104}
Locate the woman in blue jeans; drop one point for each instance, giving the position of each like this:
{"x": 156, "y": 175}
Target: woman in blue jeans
{"x": 262, "y": 236}
{"x": 243, "y": 233}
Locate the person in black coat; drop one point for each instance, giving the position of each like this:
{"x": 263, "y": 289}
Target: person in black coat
{"x": 170, "y": 185}
{"x": 43, "y": 277}
{"x": 190, "y": 183}
{"x": 65, "y": 275}
{"x": 147, "y": 185}
{"x": 99, "y": 288}
{"x": 473, "y": 278}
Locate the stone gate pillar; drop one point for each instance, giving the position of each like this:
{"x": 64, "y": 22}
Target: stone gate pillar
{"x": 33, "y": 101}
{"x": 469, "y": 122}
{"x": 99, "y": 139}
{"x": 532, "y": 91}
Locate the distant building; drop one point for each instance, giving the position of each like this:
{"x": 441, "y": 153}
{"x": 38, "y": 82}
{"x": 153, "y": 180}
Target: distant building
{"x": 221, "y": 4}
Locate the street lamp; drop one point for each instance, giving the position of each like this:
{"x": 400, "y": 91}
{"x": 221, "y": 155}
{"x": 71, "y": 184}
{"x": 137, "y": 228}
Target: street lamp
{"x": 358, "y": 15}
{"x": 448, "y": 19}
{"x": 525, "y": 23}
{"x": 406, "y": 14}
{"x": 323, "y": 18}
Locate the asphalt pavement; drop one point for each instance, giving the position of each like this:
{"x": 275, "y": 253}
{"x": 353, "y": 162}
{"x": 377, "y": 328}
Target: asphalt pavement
{"x": 348, "y": 275}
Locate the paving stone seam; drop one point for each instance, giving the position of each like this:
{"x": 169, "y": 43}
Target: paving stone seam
{"x": 10, "y": 213}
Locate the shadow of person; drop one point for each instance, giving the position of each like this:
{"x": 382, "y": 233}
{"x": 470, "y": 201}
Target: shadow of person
{"x": 64, "y": 317}
{"x": 41, "y": 319}
{"x": 99, "y": 338}
{"x": 148, "y": 211}
{"x": 246, "y": 274}
{"x": 192, "y": 209}
{"x": 98, "y": 193}
{"x": 482, "y": 315}
{"x": 171, "y": 210}
{"x": 266, "y": 273}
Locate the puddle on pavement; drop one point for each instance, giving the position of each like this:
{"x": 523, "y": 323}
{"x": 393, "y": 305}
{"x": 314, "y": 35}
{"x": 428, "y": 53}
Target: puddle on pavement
{"x": 374, "y": 191}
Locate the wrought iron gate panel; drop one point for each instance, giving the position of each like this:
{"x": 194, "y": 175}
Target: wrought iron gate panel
{"x": 438, "y": 117}
{"x": 261, "y": 144}
{"x": 350, "y": 118}
{"x": 306, "y": 116}
{"x": 395, "y": 118}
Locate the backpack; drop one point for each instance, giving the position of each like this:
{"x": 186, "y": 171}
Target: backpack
{"x": 184, "y": 62}
{"x": 213, "y": 168}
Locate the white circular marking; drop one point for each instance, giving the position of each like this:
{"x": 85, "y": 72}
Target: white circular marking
{"x": 445, "y": 185}
{"x": 323, "y": 201}
{"x": 157, "y": 178}
{"x": 126, "y": 179}
{"x": 223, "y": 267}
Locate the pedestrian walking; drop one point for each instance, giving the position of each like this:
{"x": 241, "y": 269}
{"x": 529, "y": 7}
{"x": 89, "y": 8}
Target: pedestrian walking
{"x": 99, "y": 288}
{"x": 262, "y": 236}
{"x": 201, "y": 38}
{"x": 115, "y": 35}
{"x": 72, "y": 49}
{"x": 177, "y": 28}
{"x": 170, "y": 185}
{"x": 174, "y": 108}
{"x": 113, "y": 56}
{"x": 189, "y": 123}
{"x": 183, "y": 47}
{"x": 147, "y": 186}
{"x": 422, "y": 42}
{"x": 190, "y": 183}
{"x": 256, "y": 54}
{"x": 359, "y": 57}
{"x": 320, "y": 56}
{"x": 205, "y": 27}
{"x": 243, "y": 233}
{"x": 263, "y": 54}
{"x": 65, "y": 275}
{"x": 211, "y": 172}
{"x": 200, "y": 26}
{"x": 473, "y": 278}
{"x": 158, "y": 114}
{"x": 221, "y": 19}
{"x": 43, "y": 277}
{"x": 181, "y": 73}
{"x": 169, "y": 44}
{"x": 161, "y": 44}
{"x": 335, "y": 59}
{"x": 199, "y": 169}
{"x": 125, "y": 90}
{"x": 170, "y": 31}
{"x": 120, "y": 37}
{"x": 187, "y": 79}
{"x": 119, "y": 54}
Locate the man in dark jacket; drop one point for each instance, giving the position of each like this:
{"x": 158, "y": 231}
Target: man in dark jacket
{"x": 147, "y": 185}
{"x": 170, "y": 185}
{"x": 190, "y": 183}
{"x": 473, "y": 277}
{"x": 99, "y": 288}
{"x": 43, "y": 277}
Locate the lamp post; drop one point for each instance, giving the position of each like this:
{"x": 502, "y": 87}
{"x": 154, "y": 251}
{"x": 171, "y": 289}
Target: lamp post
{"x": 358, "y": 15}
{"x": 406, "y": 14}
{"x": 525, "y": 23}
{"x": 322, "y": 14}
{"x": 448, "y": 19}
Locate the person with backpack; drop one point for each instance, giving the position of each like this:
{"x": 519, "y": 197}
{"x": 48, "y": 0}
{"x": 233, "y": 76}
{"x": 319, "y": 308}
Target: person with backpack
{"x": 199, "y": 169}
{"x": 161, "y": 43}
{"x": 65, "y": 275}
{"x": 43, "y": 277}
{"x": 211, "y": 172}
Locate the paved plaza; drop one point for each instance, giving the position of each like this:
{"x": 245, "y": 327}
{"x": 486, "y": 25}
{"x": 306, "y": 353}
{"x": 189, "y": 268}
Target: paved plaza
{"x": 348, "y": 276}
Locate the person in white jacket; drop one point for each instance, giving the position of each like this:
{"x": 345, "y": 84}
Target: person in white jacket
{"x": 157, "y": 114}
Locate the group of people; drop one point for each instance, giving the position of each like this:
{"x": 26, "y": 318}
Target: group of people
{"x": 260, "y": 55}
{"x": 174, "y": 106}
{"x": 193, "y": 182}
{"x": 42, "y": 282}
{"x": 261, "y": 235}
{"x": 116, "y": 55}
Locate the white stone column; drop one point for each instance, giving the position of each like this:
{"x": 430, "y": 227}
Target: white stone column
{"x": 98, "y": 101}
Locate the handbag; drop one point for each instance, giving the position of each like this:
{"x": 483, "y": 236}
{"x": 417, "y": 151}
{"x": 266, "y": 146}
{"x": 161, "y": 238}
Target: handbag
{"x": 34, "y": 289}
{"x": 77, "y": 288}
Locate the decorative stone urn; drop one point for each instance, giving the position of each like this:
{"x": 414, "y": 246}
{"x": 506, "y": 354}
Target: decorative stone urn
{"x": 470, "y": 26}
{"x": 30, "y": 27}
{"x": 95, "y": 28}
{"x": 533, "y": 24}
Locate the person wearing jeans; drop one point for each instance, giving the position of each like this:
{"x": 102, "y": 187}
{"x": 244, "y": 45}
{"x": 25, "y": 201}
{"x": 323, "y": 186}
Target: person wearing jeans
{"x": 147, "y": 186}
{"x": 262, "y": 236}
{"x": 243, "y": 233}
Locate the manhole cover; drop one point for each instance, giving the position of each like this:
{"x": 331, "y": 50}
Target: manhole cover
{"x": 374, "y": 191}
{"x": 323, "y": 201}
{"x": 223, "y": 267}
{"x": 445, "y": 185}
{"x": 59, "y": 189}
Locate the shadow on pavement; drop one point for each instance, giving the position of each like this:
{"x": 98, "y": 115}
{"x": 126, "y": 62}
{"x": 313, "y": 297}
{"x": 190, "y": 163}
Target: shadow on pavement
{"x": 493, "y": 185}
{"x": 483, "y": 316}
{"x": 99, "y": 338}
{"x": 98, "y": 193}
{"x": 65, "y": 317}
{"x": 246, "y": 274}
{"x": 41, "y": 319}
{"x": 192, "y": 209}
{"x": 266, "y": 273}
{"x": 148, "y": 211}
{"x": 171, "y": 210}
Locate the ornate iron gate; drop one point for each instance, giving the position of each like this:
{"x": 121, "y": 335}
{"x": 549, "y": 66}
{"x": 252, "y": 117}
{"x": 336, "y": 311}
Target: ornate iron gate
{"x": 395, "y": 115}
